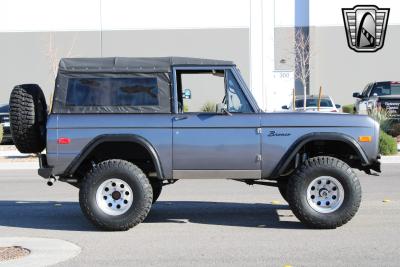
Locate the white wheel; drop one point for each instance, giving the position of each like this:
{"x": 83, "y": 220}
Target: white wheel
{"x": 325, "y": 194}
{"x": 114, "y": 197}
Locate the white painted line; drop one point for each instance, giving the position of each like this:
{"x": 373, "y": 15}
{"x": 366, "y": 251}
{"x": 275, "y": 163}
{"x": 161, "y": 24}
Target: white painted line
{"x": 44, "y": 251}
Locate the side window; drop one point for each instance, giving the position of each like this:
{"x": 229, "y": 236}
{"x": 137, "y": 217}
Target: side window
{"x": 137, "y": 91}
{"x": 237, "y": 101}
{"x": 200, "y": 91}
{"x": 203, "y": 90}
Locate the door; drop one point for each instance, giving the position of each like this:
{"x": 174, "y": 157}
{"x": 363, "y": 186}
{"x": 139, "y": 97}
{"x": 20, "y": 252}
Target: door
{"x": 211, "y": 144}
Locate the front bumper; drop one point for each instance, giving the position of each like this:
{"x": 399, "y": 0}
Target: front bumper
{"x": 376, "y": 166}
{"x": 44, "y": 170}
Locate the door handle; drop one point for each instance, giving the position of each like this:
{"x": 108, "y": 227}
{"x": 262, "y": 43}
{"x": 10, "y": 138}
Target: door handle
{"x": 179, "y": 118}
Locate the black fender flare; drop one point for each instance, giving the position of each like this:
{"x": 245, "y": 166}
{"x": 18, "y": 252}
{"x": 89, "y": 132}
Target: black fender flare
{"x": 323, "y": 136}
{"x": 77, "y": 161}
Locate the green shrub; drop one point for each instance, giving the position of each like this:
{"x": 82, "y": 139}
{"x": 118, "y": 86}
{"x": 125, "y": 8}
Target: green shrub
{"x": 348, "y": 108}
{"x": 394, "y": 128}
{"x": 185, "y": 108}
{"x": 387, "y": 144}
{"x": 382, "y": 117}
{"x": 209, "y": 107}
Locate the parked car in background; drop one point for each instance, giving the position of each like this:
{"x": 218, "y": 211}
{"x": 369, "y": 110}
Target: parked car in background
{"x": 326, "y": 104}
{"x": 5, "y": 121}
{"x": 384, "y": 95}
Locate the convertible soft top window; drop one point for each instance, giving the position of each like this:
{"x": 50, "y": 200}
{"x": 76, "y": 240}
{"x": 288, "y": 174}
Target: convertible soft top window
{"x": 112, "y": 93}
{"x": 135, "y": 91}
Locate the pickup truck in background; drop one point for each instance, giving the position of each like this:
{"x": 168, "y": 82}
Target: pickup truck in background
{"x": 385, "y": 95}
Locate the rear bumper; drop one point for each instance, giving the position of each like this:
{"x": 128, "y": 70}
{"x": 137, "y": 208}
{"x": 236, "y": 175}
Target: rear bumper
{"x": 44, "y": 169}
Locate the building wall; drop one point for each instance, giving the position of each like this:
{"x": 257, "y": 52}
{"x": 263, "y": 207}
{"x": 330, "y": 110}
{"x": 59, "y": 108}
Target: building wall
{"x": 257, "y": 34}
{"x": 28, "y": 57}
{"x": 338, "y": 69}
{"x": 284, "y": 48}
{"x": 341, "y": 71}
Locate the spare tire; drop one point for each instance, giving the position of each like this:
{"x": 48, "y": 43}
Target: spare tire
{"x": 28, "y": 117}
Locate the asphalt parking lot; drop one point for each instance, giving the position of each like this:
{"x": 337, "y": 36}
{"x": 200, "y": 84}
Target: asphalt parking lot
{"x": 208, "y": 223}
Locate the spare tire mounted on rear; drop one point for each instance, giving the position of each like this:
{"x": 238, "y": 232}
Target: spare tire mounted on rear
{"x": 28, "y": 117}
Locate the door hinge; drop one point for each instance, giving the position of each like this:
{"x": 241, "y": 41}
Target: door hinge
{"x": 258, "y": 157}
{"x": 259, "y": 130}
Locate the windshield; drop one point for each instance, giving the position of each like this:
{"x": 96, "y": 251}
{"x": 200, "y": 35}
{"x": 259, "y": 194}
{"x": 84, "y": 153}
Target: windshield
{"x": 386, "y": 88}
{"x": 313, "y": 102}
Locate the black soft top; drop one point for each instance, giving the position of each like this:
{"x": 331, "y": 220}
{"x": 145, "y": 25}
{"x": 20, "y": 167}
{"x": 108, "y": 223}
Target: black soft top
{"x": 134, "y": 64}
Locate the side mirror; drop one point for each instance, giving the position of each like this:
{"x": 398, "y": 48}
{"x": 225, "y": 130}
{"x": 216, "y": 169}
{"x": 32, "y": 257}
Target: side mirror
{"x": 338, "y": 106}
{"x": 222, "y": 109}
{"x": 285, "y": 107}
{"x": 357, "y": 95}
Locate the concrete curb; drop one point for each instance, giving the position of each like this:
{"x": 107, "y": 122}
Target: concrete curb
{"x": 26, "y": 165}
{"x": 44, "y": 251}
{"x": 390, "y": 159}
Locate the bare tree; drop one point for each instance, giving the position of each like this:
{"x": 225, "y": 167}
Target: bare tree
{"x": 302, "y": 59}
{"x": 54, "y": 54}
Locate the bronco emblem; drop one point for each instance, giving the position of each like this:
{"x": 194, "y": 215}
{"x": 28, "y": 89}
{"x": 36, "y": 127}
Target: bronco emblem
{"x": 365, "y": 27}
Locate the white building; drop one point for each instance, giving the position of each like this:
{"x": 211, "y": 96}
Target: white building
{"x": 257, "y": 34}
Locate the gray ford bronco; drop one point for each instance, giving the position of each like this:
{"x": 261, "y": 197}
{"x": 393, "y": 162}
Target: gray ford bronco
{"x": 120, "y": 129}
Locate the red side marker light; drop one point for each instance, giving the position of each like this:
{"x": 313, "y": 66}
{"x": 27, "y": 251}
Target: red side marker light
{"x": 63, "y": 141}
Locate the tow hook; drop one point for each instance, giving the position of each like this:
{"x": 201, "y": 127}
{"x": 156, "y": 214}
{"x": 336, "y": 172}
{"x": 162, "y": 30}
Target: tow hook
{"x": 51, "y": 181}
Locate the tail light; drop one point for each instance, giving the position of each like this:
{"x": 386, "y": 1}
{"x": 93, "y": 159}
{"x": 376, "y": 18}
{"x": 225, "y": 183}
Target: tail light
{"x": 63, "y": 141}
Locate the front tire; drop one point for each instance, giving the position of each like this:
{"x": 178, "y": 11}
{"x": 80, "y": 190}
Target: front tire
{"x": 115, "y": 195}
{"x": 324, "y": 193}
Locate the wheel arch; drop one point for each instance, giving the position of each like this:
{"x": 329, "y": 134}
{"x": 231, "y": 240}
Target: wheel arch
{"x": 116, "y": 138}
{"x": 318, "y": 136}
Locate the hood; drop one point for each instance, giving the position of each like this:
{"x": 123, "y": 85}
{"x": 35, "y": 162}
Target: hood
{"x": 315, "y": 119}
{"x": 389, "y": 97}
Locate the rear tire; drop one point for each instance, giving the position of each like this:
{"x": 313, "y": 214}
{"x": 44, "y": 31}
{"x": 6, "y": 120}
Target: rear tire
{"x": 28, "y": 116}
{"x": 115, "y": 195}
{"x": 324, "y": 193}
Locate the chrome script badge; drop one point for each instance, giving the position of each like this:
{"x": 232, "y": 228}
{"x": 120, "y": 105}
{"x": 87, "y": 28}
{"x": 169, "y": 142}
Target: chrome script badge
{"x": 365, "y": 27}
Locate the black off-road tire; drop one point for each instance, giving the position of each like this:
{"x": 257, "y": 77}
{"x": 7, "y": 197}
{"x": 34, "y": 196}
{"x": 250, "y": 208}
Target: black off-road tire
{"x": 28, "y": 117}
{"x": 317, "y": 167}
{"x": 129, "y": 173}
{"x": 156, "y": 186}
{"x": 282, "y": 187}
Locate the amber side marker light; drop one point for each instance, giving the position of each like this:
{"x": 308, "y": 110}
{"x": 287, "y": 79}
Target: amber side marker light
{"x": 366, "y": 138}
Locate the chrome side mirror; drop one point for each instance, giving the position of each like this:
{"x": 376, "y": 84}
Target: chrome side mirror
{"x": 222, "y": 109}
